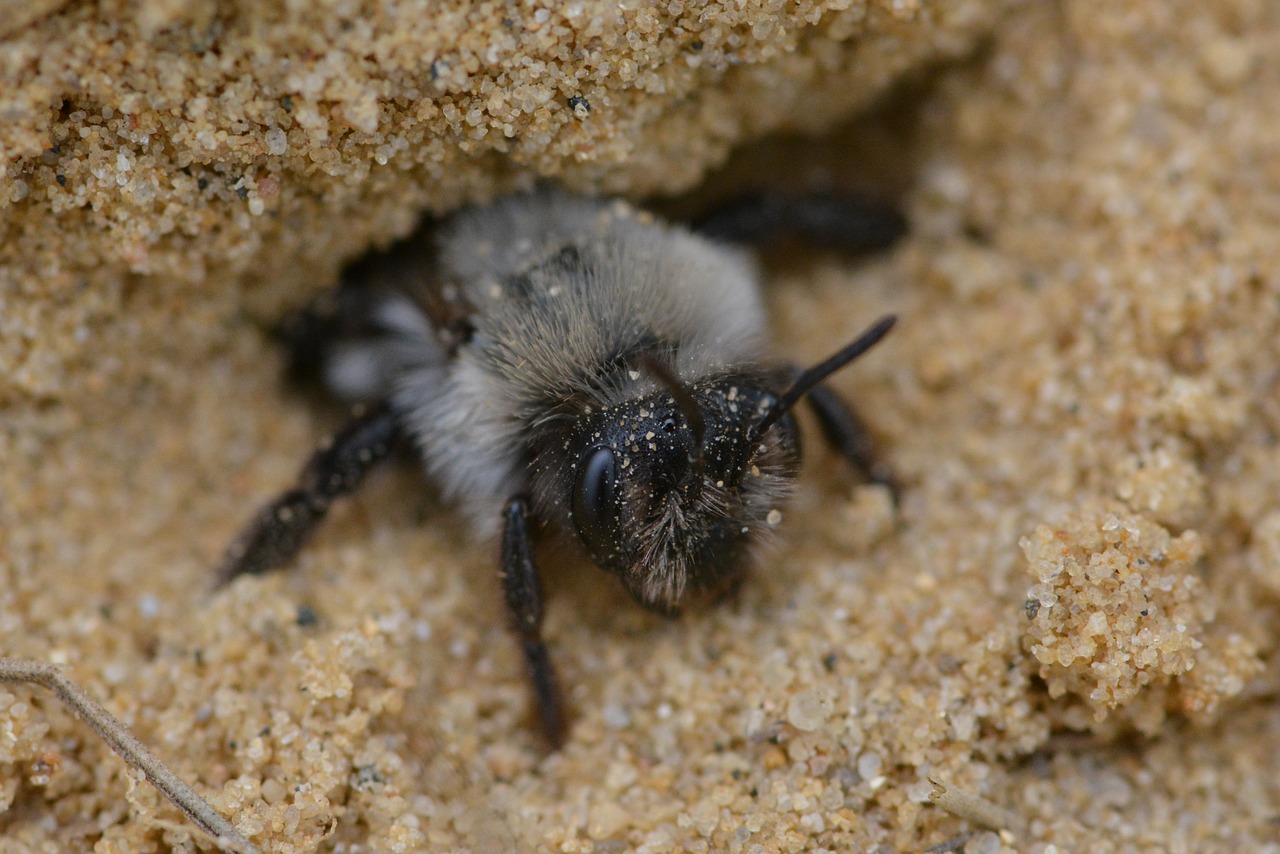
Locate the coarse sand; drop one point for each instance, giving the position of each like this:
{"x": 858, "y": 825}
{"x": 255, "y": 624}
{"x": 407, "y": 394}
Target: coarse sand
{"x": 1068, "y": 622}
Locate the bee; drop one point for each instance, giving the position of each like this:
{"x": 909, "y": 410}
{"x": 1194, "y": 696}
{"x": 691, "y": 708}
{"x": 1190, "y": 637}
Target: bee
{"x": 576, "y": 366}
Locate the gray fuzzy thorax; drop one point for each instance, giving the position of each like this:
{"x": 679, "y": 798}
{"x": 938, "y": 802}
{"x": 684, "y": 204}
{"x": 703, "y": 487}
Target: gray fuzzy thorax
{"x": 559, "y": 293}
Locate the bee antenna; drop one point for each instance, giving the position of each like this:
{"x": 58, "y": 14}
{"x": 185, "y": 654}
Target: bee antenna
{"x": 666, "y": 377}
{"x": 819, "y": 372}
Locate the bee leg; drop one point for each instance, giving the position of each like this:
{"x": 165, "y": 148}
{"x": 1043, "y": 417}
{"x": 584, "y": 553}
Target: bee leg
{"x": 846, "y": 222}
{"x": 310, "y": 333}
{"x": 335, "y": 469}
{"x": 523, "y": 593}
{"x": 849, "y": 436}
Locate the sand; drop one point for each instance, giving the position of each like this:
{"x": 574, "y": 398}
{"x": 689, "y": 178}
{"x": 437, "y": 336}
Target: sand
{"x": 1070, "y": 616}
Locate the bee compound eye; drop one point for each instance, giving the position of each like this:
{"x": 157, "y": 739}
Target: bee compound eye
{"x": 596, "y": 513}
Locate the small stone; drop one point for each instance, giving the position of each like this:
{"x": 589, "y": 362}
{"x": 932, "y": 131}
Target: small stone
{"x": 809, "y": 710}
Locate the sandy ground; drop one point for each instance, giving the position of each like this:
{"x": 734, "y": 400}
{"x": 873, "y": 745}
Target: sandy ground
{"x": 1072, "y": 614}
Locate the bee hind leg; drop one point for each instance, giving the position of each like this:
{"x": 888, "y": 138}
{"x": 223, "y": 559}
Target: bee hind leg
{"x": 847, "y": 222}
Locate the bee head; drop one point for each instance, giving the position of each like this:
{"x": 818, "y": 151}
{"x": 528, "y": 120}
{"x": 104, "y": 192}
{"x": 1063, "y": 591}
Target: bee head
{"x": 671, "y": 489}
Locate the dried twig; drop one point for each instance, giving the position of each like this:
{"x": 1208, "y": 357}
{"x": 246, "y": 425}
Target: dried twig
{"x": 973, "y": 808}
{"x": 134, "y": 752}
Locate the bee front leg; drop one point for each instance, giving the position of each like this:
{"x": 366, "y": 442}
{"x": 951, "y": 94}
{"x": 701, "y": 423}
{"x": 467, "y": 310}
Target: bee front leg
{"x": 338, "y": 467}
{"x": 522, "y": 590}
{"x": 849, "y": 436}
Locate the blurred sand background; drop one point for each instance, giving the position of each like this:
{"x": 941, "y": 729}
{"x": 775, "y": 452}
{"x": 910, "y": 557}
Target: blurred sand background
{"x": 1072, "y": 614}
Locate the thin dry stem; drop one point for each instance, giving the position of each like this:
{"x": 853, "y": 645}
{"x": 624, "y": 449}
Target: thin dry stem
{"x": 973, "y": 808}
{"x": 134, "y": 752}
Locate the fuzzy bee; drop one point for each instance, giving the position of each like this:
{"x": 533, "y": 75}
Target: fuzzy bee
{"x": 580, "y": 365}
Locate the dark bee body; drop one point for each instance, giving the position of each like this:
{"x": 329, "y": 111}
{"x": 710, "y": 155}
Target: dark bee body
{"x": 577, "y": 363}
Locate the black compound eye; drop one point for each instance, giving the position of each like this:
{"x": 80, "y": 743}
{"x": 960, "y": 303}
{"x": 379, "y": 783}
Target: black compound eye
{"x": 596, "y": 513}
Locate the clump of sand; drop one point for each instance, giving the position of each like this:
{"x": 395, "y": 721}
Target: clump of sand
{"x": 1120, "y": 613}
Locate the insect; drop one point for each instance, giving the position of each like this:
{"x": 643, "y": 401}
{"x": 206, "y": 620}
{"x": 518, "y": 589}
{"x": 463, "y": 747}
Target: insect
{"x": 580, "y": 367}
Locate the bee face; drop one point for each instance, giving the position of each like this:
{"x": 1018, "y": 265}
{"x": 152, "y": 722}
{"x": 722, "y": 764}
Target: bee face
{"x": 666, "y": 510}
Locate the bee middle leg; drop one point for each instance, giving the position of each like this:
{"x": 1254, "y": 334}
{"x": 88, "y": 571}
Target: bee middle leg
{"x": 335, "y": 469}
{"x": 522, "y": 589}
